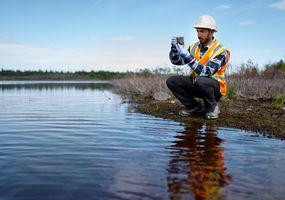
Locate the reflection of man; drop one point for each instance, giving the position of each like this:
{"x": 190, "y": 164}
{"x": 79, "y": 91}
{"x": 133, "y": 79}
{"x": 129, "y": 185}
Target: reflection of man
{"x": 197, "y": 164}
{"x": 207, "y": 60}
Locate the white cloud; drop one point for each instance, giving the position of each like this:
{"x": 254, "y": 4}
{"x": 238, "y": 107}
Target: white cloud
{"x": 95, "y": 39}
{"x": 7, "y": 37}
{"x": 122, "y": 38}
{"x": 224, "y": 7}
{"x": 114, "y": 38}
{"x": 32, "y": 56}
{"x": 247, "y": 23}
{"x": 58, "y": 58}
{"x": 278, "y": 5}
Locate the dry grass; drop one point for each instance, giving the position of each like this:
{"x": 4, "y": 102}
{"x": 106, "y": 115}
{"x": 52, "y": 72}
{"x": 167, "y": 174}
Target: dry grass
{"x": 248, "y": 82}
{"x": 142, "y": 86}
{"x": 257, "y": 87}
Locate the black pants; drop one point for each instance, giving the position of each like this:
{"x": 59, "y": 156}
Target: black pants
{"x": 185, "y": 89}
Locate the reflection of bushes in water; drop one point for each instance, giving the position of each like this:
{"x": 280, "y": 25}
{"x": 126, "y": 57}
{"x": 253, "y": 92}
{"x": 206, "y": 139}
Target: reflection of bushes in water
{"x": 56, "y": 86}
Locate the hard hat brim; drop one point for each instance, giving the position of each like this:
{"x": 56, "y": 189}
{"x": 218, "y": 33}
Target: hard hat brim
{"x": 205, "y": 28}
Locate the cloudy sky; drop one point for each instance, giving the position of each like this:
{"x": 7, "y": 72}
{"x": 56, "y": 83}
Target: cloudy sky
{"x": 119, "y": 35}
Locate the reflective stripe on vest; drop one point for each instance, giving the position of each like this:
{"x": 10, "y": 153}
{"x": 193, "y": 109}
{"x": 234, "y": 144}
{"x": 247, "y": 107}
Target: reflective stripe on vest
{"x": 215, "y": 49}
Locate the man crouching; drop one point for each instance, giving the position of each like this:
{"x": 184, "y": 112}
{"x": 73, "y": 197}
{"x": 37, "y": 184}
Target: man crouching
{"x": 207, "y": 60}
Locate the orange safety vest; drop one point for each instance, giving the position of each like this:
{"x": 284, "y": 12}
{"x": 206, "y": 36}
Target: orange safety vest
{"x": 214, "y": 50}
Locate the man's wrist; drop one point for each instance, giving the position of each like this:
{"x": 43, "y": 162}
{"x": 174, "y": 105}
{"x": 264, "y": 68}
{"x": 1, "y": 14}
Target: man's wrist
{"x": 174, "y": 48}
{"x": 188, "y": 59}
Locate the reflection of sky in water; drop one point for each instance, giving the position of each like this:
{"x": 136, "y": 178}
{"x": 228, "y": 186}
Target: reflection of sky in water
{"x": 53, "y": 85}
{"x": 75, "y": 142}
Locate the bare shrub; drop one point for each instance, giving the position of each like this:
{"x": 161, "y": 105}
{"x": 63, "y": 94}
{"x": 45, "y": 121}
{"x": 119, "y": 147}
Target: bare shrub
{"x": 142, "y": 85}
{"x": 251, "y": 83}
{"x": 253, "y": 88}
{"x": 257, "y": 88}
{"x": 248, "y": 82}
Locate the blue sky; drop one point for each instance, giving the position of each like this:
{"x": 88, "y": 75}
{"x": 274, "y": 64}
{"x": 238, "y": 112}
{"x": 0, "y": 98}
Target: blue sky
{"x": 119, "y": 35}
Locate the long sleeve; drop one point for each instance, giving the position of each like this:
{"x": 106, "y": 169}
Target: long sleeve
{"x": 176, "y": 58}
{"x": 212, "y": 66}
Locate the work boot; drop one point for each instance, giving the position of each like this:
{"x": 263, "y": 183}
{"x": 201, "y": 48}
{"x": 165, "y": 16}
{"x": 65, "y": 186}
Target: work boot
{"x": 184, "y": 112}
{"x": 214, "y": 114}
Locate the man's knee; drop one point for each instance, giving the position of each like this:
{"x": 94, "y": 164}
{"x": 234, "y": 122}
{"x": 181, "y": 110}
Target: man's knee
{"x": 208, "y": 85}
{"x": 171, "y": 82}
{"x": 202, "y": 83}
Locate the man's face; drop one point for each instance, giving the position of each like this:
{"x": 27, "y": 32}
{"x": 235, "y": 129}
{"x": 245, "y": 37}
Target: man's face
{"x": 204, "y": 35}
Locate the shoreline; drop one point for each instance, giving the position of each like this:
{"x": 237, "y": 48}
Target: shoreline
{"x": 250, "y": 115}
{"x": 47, "y": 78}
{"x": 243, "y": 113}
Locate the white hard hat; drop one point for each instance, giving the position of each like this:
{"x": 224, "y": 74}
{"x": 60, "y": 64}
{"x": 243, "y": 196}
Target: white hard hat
{"x": 206, "y": 21}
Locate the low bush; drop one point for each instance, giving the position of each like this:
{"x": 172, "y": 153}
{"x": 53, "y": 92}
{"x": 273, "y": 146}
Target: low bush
{"x": 278, "y": 101}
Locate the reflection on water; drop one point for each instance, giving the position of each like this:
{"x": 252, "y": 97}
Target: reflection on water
{"x": 77, "y": 140}
{"x": 53, "y": 85}
{"x": 197, "y": 163}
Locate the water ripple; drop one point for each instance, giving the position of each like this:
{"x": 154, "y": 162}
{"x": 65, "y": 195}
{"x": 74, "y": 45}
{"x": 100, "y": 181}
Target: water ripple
{"x": 68, "y": 141}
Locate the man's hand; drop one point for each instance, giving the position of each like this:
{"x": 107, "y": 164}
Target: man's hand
{"x": 174, "y": 43}
{"x": 182, "y": 52}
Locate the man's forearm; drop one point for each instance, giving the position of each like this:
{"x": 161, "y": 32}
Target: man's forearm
{"x": 176, "y": 58}
{"x": 211, "y": 68}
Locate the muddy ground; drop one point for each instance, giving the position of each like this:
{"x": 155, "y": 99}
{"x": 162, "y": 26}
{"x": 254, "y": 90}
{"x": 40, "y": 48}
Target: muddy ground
{"x": 251, "y": 115}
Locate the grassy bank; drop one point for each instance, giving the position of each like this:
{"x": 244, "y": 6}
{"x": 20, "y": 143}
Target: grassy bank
{"x": 248, "y": 83}
{"x": 255, "y": 99}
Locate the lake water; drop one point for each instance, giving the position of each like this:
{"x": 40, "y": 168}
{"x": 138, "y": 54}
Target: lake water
{"x": 78, "y": 140}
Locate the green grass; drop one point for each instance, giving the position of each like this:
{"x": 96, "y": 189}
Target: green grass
{"x": 278, "y": 101}
{"x": 231, "y": 91}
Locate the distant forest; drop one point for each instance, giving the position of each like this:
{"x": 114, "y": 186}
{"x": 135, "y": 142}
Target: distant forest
{"x": 56, "y": 75}
{"x": 78, "y": 75}
{"x": 248, "y": 69}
